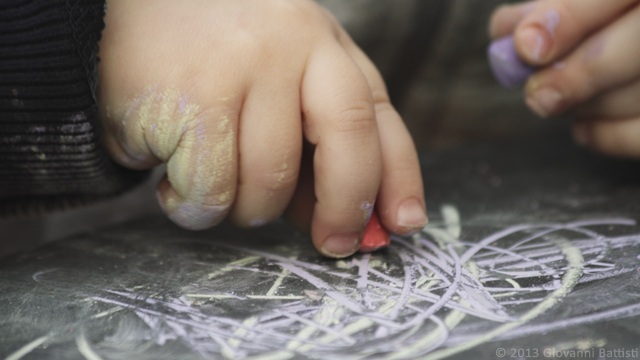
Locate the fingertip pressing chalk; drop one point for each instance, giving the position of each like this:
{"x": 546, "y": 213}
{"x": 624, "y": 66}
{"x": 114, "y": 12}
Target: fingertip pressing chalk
{"x": 375, "y": 235}
{"x": 507, "y": 66}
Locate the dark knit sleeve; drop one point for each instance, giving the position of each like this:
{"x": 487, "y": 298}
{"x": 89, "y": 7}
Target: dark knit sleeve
{"x": 51, "y": 154}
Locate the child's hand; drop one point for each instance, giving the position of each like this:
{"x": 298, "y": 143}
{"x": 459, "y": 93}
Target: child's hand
{"x": 224, "y": 91}
{"x": 590, "y": 54}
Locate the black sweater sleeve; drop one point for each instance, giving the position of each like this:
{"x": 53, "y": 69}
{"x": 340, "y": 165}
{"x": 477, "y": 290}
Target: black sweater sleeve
{"x": 50, "y": 148}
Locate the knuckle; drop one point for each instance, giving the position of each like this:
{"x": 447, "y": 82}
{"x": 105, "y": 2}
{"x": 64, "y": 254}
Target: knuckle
{"x": 580, "y": 84}
{"x": 282, "y": 179}
{"x": 405, "y": 167}
{"x": 306, "y": 17}
{"x": 351, "y": 213}
{"x": 568, "y": 11}
{"x": 380, "y": 97}
{"x": 300, "y": 12}
{"x": 357, "y": 118}
{"x": 383, "y": 107}
{"x": 216, "y": 123}
{"x": 205, "y": 163}
{"x": 264, "y": 38}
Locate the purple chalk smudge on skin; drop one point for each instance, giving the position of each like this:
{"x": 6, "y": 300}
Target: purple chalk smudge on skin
{"x": 506, "y": 65}
{"x": 368, "y": 207}
{"x": 257, "y": 222}
{"x": 194, "y": 216}
{"x": 198, "y": 217}
{"x": 183, "y": 105}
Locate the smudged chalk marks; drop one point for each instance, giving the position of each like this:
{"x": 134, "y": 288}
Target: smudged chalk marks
{"x": 434, "y": 294}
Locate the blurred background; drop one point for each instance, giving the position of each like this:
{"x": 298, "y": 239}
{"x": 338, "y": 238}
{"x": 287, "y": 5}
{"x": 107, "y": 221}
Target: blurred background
{"x": 432, "y": 54}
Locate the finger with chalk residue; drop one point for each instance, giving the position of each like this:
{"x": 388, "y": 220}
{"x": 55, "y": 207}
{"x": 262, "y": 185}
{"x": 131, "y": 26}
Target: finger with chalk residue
{"x": 375, "y": 235}
{"x": 507, "y": 66}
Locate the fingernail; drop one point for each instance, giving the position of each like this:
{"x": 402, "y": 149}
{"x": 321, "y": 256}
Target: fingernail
{"x": 342, "y": 245}
{"x": 507, "y": 67}
{"x": 581, "y": 134}
{"x": 411, "y": 216}
{"x": 545, "y": 102}
{"x": 536, "y": 43}
{"x": 367, "y": 207}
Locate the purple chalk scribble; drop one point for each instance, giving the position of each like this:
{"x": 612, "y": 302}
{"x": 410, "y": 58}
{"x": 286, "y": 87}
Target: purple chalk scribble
{"x": 363, "y": 307}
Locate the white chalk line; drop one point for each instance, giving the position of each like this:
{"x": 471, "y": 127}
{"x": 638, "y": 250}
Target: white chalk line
{"x": 18, "y": 354}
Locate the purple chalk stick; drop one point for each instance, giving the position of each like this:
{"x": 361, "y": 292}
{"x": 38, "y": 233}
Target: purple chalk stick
{"x": 507, "y": 66}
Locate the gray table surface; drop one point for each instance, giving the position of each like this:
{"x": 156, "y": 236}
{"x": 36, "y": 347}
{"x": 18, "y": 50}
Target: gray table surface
{"x": 533, "y": 250}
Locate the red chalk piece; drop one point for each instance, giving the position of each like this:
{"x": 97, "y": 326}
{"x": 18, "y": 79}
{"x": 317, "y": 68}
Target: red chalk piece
{"x": 375, "y": 236}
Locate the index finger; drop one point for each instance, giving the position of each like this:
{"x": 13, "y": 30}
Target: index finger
{"x": 554, "y": 27}
{"x": 339, "y": 118}
{"x": 400, "y": 204}
{"x": 506, "y": 18}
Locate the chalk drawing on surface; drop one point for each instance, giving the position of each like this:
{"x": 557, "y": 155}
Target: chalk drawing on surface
{"x": 431, "y": 295}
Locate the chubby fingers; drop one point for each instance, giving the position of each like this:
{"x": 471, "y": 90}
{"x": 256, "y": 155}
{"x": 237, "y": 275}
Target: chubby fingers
{"x": 199, "y": 146}
{"x": 400, "y": 202}
{"x": 505, "y": 18}
{"x": 339, "y": 119}
{"x": 553, "y": 28}
{"x": 616, "y": 137}
{"x": 270, "y": 143}
{"x": 202, "y": 171}
{"x": 622, "y": 102}
{"x": 608, "y": 59}
{"x": 610, "y": 123}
